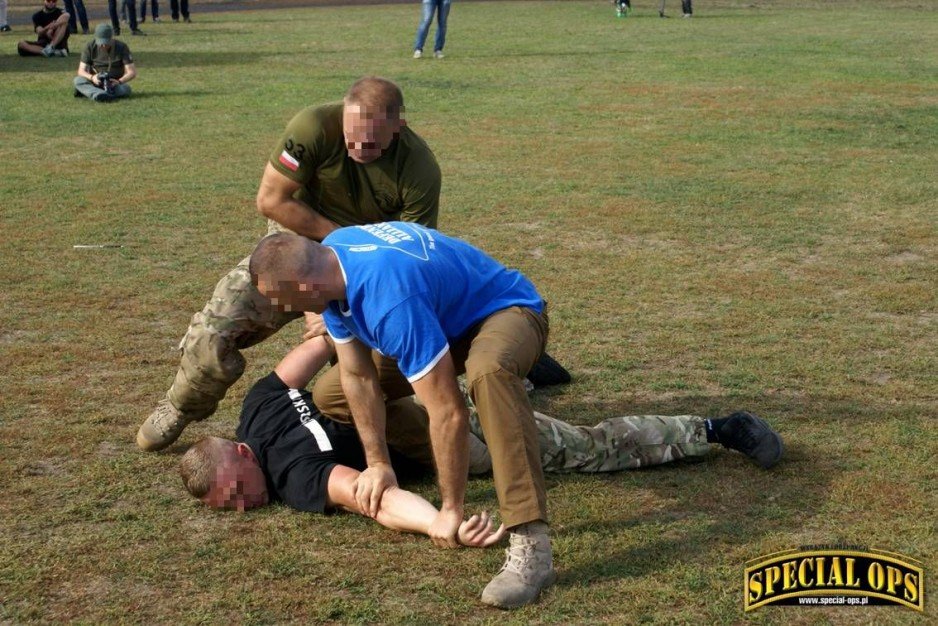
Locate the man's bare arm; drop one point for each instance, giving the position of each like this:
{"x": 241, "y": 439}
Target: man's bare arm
{"x": 360, "y": 386}
{"x": 303, "y": 362}
{"x": 406, "y": 511}
{"x": 449, "y": 435}
{"x": 130, "y": 73}
{"x": 275, "y": 201}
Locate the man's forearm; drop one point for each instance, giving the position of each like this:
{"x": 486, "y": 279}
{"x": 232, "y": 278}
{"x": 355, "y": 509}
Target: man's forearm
{"x": 300, "y": 218}
{"x": 406, "y": 511}
{"x": 368, "y": 411}
{"x": 449, "y": 436}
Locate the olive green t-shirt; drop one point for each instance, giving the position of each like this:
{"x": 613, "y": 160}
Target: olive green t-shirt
{"x": 402, "y": 184}
{"x": 111, "y": 60}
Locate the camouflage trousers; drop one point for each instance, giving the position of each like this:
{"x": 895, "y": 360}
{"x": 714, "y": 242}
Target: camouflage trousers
{"x": 236, "y": 317}
{"x": 615, "y": 444}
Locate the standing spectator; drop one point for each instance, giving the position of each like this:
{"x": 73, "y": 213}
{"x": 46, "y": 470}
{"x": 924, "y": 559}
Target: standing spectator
{"x": 51, "y": 26}
{"x": 154, "y": 5}
{"x": 106, "y": 67}
{"x": 442, "y": 12}
{"x": 131, "y": 17}
{"x": 76, "y": 13}
{"x": 174, "y": 8}
{"x": 4, "y": 27}
{"x": 686, "y": 8}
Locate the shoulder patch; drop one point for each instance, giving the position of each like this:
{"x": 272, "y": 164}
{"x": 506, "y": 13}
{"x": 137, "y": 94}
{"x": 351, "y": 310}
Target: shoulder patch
{"x": 288, "y": 161}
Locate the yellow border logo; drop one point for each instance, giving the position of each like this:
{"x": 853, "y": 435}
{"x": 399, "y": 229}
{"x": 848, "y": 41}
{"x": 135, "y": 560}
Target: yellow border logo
{"x": 831, "y": 576}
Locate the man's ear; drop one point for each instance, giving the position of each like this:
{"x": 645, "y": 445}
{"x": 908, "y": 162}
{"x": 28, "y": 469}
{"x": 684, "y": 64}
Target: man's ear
{"x": 244, "y": 450}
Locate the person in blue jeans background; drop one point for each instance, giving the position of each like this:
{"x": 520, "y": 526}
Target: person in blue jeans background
{"x": 441, "y": 7}
{"x": 76, "y": 13}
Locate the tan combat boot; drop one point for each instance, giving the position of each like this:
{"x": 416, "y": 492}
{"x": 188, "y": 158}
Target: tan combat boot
{"x": 162, "y": 428}
{"x": 528, "y": 568}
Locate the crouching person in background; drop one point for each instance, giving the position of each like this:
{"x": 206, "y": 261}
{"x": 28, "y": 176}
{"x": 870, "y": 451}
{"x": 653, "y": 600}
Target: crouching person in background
{"x": 106, "y": 67}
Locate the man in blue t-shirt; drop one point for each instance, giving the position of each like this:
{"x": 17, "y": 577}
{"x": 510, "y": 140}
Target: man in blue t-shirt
{"x": 435, "y": 307}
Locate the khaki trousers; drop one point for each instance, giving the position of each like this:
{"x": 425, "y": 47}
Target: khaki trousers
{"x": 495, "y": 355}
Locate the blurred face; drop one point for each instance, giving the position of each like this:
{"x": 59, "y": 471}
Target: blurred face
{"x": 49, "y": 5}
{"x": 239, "y": 482}
{"x": 292, "y": 296}
{"x": 368, "y": 132}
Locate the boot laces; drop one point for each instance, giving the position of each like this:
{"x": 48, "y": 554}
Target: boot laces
{"x": 167, "y": 417}
{"x": 520, "y": 555}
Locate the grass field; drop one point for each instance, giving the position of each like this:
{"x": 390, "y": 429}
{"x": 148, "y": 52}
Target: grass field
{"x": 733, "y": 211}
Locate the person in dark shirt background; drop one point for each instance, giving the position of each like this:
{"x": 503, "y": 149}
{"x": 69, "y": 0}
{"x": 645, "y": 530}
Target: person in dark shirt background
{"x": 51, "y": 27}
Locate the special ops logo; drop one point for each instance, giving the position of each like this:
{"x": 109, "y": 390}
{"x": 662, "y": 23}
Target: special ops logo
{"x": 832, "y": 576}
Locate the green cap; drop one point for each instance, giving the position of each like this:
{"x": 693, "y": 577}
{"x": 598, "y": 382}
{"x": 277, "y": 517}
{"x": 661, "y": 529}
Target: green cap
{"x": 103, "y": 34}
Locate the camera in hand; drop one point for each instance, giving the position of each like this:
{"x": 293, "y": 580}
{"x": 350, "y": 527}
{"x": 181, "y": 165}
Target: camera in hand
{"x": 104, "y": 79}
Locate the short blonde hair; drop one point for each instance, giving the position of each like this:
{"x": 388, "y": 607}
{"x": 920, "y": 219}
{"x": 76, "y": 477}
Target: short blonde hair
{"x": 199, "y": 464}
{"x": 374, "y": 92}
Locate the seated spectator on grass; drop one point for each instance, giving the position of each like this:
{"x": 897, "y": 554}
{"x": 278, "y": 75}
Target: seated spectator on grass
{"x": 106, "y": 67}
{"x": 51, "y": 26}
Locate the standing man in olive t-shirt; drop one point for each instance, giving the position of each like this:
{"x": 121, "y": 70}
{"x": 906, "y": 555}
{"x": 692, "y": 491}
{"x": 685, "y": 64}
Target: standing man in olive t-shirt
{"x": 106, "y": 67}
{"x": 354, "y": 162}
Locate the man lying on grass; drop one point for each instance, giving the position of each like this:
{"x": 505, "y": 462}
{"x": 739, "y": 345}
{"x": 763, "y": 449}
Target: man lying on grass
{"x": 290, "y": 452}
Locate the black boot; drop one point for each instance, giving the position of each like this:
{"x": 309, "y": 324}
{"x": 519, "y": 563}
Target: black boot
{"x": 547, "y": 372}
{"x": 752, "y": 436}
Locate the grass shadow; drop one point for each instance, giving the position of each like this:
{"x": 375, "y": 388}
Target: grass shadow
{"x": 742, "y": 502}
{"x": 38, "y": 65}
{"x": 32, "y": 65}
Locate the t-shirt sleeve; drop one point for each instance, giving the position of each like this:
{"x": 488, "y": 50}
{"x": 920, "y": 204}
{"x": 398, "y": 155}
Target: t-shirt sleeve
{"x": 421, "y": 194}
{"x": 298, "y": 152}
{"x": 86, "y": 54}
{"x": 411, "y": 334}
{"x": 335, "y": 327}
{"x": 126, "y": 57}
{"x": 307, "y": 484}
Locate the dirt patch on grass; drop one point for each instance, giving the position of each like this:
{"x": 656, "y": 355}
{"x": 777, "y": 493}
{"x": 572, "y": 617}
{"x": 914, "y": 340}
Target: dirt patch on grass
{"x": 45, "y": 467}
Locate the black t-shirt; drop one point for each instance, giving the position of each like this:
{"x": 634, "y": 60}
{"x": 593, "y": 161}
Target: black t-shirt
{"x": 297, "y": 446}
{"x": 44, "y": 18}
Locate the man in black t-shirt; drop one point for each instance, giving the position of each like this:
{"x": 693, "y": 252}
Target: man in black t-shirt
{"x": 289, "y": 451}
{"x": 51, "y": 27}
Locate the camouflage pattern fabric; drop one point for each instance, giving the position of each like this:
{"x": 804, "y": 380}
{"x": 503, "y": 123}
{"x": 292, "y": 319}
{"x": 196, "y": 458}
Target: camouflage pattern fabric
{"x": 236, "y": 317}
{"x": 614, "y": 444}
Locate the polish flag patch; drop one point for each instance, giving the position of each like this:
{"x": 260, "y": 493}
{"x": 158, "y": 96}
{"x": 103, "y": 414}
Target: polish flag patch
{"x": 288, "y": 161}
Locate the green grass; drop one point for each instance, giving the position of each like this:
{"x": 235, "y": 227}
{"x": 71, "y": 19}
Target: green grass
{"x": 734, "y": 211}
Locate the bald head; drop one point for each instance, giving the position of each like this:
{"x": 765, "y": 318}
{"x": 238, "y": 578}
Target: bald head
{"x": 295, "y": 273}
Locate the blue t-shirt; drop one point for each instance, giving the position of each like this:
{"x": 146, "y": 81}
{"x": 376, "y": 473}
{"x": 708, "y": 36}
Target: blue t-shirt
{"x": 412, "y": 290}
